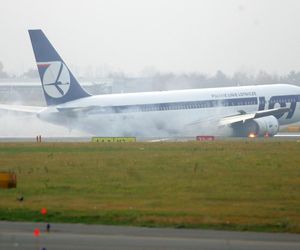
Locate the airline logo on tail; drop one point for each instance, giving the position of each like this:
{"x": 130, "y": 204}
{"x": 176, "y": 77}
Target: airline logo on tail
{"x": 58, "y": 82}
{"x": 56, "y": 78}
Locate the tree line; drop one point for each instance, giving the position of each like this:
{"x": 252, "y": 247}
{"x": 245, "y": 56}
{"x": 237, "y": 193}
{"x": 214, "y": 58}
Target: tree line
{"x": 163, "y": 81}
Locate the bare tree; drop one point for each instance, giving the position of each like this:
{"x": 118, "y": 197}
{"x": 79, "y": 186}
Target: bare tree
{"x": 3, "y": 74}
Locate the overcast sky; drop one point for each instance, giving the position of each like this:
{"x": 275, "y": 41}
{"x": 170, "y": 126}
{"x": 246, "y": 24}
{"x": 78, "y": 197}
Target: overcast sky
{"x": 137, "y": 36}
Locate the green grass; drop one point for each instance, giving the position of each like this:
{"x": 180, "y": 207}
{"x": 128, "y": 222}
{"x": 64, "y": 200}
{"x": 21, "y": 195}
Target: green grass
{"x": 237, "y": 185}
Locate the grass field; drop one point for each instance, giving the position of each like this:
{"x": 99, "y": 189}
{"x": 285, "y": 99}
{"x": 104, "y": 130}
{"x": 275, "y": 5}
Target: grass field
{"x": 236, "y": 185}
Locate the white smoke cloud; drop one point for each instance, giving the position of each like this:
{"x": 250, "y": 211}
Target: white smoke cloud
{"x": 128, "y": 123}
{"x": 15, "y": 125}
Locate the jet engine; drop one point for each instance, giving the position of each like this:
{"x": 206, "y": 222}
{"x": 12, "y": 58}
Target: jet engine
{"x": 265, "y": 126}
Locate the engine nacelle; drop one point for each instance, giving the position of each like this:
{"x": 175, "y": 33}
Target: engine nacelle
{"x": 265, "y": 126}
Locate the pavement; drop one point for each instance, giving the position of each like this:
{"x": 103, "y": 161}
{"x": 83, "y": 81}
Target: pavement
{"x": 282, "y": 136}
{"x": 20, "y": 235}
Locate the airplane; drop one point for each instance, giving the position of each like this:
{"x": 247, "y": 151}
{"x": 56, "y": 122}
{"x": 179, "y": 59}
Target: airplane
{"x": 228, "y": 111}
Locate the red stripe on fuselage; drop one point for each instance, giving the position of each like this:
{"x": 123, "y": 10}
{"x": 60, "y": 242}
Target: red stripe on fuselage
{"x": 43, "y": 65}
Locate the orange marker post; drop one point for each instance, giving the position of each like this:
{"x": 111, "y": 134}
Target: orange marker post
{"x": 36, "y": 232}
{"x": 43, "y": 211}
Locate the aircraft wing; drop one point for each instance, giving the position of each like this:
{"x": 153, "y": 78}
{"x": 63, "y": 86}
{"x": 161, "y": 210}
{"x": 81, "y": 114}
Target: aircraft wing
{"x": 243, "y": 116}
{"x": 21, "y": 108}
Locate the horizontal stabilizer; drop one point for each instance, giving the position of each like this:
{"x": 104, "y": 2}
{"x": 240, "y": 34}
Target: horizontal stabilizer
{"x": 21, "y": 109}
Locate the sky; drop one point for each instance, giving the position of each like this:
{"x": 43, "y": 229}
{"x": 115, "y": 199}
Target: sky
{"x": 143, "y": 36}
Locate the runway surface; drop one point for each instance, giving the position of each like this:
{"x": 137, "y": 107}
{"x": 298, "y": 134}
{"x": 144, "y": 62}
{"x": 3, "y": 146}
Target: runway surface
{"x": 15, "y": 235}
{"x": 283, "y": 136}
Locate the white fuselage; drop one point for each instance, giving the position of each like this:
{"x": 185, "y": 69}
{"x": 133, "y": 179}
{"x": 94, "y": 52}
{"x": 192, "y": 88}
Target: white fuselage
{"x": 172, "y": 113}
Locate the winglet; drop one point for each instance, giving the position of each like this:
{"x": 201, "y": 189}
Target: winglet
{"x": 58, "y": 82}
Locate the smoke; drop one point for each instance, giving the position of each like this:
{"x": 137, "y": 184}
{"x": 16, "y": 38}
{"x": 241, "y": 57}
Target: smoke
{"x": 140, "y": 124}
{"x": 164, "y": 123}
{"x": 16, "y": 125}
{"x": 127, "y": 122}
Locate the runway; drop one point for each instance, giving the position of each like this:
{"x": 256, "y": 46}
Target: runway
{"x": 16, "y": 235}
{"x": 283, "y": 136}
